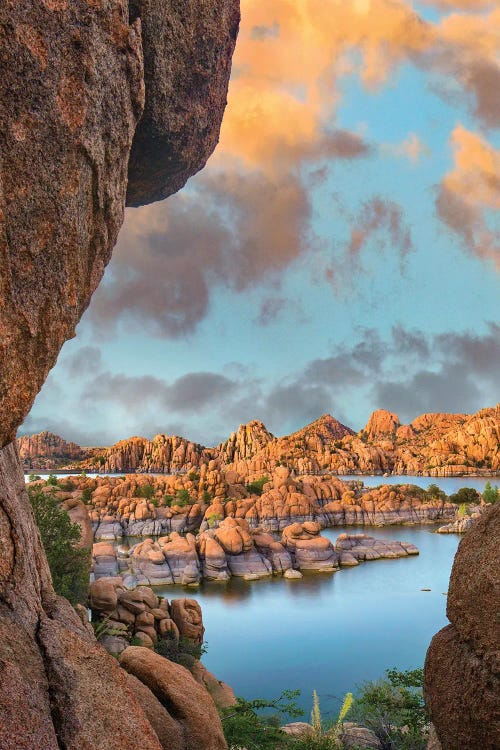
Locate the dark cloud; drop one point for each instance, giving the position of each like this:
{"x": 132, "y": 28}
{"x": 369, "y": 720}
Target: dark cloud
{"x": 85, "y": 361}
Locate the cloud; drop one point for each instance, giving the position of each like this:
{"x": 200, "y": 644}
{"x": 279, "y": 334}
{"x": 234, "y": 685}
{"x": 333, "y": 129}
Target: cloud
{"x": 86, "y": 360}
{"x": 380, "y": 216}
{"x": 412, "y": 148}
{"x": 470, "y": 193}
{"x": 407, "y": 371}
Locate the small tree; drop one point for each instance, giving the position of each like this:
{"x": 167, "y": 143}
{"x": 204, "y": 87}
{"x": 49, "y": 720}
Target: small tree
{"x": 183, "y": 498}
{"x": 490, "y": 494}
{"x": 436, "y": 493}
{"x": 69, "y": 566}
{"x": 52, "y": 480}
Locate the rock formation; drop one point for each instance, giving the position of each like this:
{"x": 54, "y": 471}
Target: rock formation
{"x": 72, "y": 91}
{"x": 433, "y": 444}
{"x": 462, "y": 668}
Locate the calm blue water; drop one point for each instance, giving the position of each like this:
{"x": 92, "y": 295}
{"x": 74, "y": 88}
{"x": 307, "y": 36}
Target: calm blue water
{"x": 327, "y": 632}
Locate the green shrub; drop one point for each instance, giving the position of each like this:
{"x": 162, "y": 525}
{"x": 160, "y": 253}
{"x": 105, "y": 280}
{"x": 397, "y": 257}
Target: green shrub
{"x": 462, "y": 510}
{"x": 490, "y": 494}
{"x": 394, "y": 709}
{"x": 206, "y": 497}
{"x": 69, "y": 566}
{"x": 193, "y": 476}
{"x": 255, "y": 487}
{"x": 34, "y": 477}
{"x": 213, "y": 519}
{"x": 52, "y": 480}
{"x": 465, "y": 495}
{"x": 183, "y": 652}
{"x": 67, "y": 486}
{"x": 183, "y": 498}
{"x": 146, "y": 491}
{"x": 246, "y": 726}
{"x": 168, "y": 500}
{"x": 86, "y": 495}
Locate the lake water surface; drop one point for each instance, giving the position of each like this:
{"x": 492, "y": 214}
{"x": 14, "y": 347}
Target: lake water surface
{"x": 327, "y": 632}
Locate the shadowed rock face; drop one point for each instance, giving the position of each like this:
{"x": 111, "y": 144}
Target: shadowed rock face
{"x": 186, "y": 87}
{"x": 71, "y": 94}
{"x": 462, "y": 669}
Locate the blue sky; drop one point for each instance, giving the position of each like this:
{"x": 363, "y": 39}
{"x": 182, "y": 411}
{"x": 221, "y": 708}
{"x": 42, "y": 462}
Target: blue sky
{"x": 310, "y": 267}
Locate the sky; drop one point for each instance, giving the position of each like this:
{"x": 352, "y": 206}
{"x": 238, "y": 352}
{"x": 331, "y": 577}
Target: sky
{"x": 339, "y": 253}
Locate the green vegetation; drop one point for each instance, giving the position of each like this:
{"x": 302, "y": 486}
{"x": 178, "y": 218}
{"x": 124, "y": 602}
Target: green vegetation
{"x": 183, "y": 498}
{"x": 67, "y": 486}
{"x": 52, "y": 480}
{"x": 193, "y": 476}
{"x": 168, "y": 500}
{"x": 393, "y": 708}
{"x": 434, "y": 492}
{"x": 147, "y": 491}
{"x": 34, "y": 477}
{"x": 465, "y": 495}
{"x": 490, "y": 494}
{"x": 69, "y": 566}
{"x": 213, "y": 519}
{"x": 245, "y": 724}
{"x": 255, "y": 487}
{"x": 86, "y": 495}
{"x": 206, "y": 497}
{"x": 183, "y": 652}
{"x": 462, "y": 510}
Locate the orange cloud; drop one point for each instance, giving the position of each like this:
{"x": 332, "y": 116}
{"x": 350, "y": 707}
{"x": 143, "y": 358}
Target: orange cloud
{"x": 470, "y": 191}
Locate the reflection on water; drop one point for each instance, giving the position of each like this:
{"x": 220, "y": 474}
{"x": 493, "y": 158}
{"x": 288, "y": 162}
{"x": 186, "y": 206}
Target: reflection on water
{"x": 327, "y": 632}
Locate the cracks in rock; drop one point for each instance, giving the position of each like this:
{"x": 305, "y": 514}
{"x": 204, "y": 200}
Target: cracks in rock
{"x": 54, "y": 708}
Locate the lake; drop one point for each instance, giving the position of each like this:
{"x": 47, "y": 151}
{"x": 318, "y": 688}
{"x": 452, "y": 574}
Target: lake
{"x": 448, "y": 484}
{"x": 327, "y": 632}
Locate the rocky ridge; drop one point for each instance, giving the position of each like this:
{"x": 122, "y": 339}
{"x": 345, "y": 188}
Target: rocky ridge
{"x": 433, "y": 444}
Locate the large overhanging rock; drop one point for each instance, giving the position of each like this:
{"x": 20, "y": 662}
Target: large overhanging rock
{"x": 462, "y": 669}
{"x": 186, "y": 86}
{"x": 71, "y": 95}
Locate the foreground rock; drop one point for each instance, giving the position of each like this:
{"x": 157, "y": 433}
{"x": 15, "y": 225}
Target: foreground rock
{"x": 462, "y": 668}
{"x": 71, "y": 95}
{"x": 173, "y": 686}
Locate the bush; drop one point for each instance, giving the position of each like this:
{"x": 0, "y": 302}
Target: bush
{"x": 183, "y": 498}
{"x": 168, "y": 500}
{"x": 52, "y": 480}
{"x": 245, "y": 726}
{"x": 394, "y": 709}
{"x": 206, "y": 497}
{"x": 255, "y": 487}
{"x": 34, "y": 477}
{"x": 490, "y": 494}
{"x": 193, "y": 476}
{"x": 68, "y": 486}
{"x": 86, "y": 495}
{"x": 69, "y": 566}
{"x": 146, "y": 491}
{"x": 465, "y": 495}
{"x": 183, "y": 652}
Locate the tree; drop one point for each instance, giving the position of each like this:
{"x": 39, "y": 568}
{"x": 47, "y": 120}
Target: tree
{"x": 69, "y": 565}
{"x": 183, "y": 498}
{"x": 490, "y": 494}
{"x": 465, "y": 495}
{"x": 436, "y": 492}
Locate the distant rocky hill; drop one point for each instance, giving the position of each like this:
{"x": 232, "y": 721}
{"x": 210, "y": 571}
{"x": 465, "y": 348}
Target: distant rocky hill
{"x": 433, "y": 444}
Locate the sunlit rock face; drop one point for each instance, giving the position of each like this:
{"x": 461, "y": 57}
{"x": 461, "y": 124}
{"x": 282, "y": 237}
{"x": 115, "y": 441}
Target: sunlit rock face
{"x": 72, "y": 91}
{"x": 462, "y": 669}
